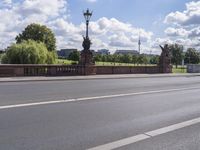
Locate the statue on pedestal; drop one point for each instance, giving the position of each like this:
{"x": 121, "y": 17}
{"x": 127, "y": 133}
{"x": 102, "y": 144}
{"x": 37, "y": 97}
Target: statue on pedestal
{"x": 86, "y": 43}
{"x": 86, "y": 54}
{"x": 165, "y": 60}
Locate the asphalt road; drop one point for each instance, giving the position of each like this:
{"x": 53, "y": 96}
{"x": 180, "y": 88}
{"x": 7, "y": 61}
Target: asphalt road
{"x": 132, "y": 107}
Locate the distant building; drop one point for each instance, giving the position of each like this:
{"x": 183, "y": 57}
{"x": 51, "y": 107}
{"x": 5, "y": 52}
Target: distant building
{"x": 64, "y": 53}
{"x": 103, "y": 52}
{"x": 123, "y": 52}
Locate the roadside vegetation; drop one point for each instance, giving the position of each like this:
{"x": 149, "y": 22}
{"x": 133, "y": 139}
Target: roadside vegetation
{"x": 35, "y": 45}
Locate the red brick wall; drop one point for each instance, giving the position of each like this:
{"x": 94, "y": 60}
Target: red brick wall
{"x": 70, "y": 70}
{"x": 127, "y": 69}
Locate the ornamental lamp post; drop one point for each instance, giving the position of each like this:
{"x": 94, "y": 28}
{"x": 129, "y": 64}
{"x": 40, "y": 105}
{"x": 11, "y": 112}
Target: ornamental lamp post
{"x": 87, "y": 16}
{"x": 86, "y": 59}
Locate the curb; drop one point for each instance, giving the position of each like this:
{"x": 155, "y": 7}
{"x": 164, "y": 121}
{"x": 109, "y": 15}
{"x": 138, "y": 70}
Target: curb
{"x": 99, "y": 78}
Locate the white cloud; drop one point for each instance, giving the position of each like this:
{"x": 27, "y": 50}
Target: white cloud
{"x": 118, "y": 34}
{"x": 161, "y": 41}
{"x": 194, "y": 32}
{"x": 185, "y": 28}
{"x": 120, "y": 40}
{"x": 175, "y": 32}
{"x": 45, "y": 7}
{"x": 190, "y": 16}
{"x": 5, "y": 3}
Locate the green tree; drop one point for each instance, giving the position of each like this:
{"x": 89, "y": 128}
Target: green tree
{"x": 176, "y": 52}
{"x": 108, "y": 58}
{"x": 51, "y": 57}
{"x": 116, "y": 58}
{"x": 104, "y": 58}
{"x": 75, "y": 56}
{"x": 192, "y": 56}
{"x": 39, "y": 33}
{"x": 140, "y": 59}
{"x": 154, "y": 59}
{"x": 134, "y": 59}
{"x": 4, "y": 59}
{"x": 28, "y": 52}
{"x": 98, "y": 57}
{"x": 145, "y": 59}
{"x": 127, "y": 58}
{"x": 1, "y": 55}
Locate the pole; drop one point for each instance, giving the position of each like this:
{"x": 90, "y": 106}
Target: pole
{"x": 87, "y": 24}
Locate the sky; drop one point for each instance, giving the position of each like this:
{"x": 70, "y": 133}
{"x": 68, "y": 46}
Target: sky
{"x": 115, "y": 24}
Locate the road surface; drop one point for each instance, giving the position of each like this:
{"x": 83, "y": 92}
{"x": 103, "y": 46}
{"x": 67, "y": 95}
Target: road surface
{"x": 160, "y": 113}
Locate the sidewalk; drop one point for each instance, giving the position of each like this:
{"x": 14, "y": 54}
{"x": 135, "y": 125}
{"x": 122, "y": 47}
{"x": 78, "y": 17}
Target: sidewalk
{"x": 61, "y": 78}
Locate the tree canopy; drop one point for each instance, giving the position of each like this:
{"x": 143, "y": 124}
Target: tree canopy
{"x": 75, "y": 56}
{"x": 192, "y": 56}
{"x": 176, "y": 54}
{"x": 28, "y": 52}
{"x": 128, "y": 58}
{"x": 39, "y": 33}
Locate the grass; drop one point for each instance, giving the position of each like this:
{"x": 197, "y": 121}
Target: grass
{"x": 119, "y": 64}
{"x": 179, "y": 69}
{"x": 65, "y": 61}
{"x": 69, "y": 62}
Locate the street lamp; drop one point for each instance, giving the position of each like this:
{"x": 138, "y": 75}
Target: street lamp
{"x": 87, "y": 16}
{"x": 86, "y": 55}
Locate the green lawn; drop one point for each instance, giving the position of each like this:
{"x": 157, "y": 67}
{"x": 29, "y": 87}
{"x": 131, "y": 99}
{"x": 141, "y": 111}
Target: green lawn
{"x": 119, "y": 64}
{"x": 180, "y": 69}
{"x": 69, "y": 62}
{"x": 65, "y": 61}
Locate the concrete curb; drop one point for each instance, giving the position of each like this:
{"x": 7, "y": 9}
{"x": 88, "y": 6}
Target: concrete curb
{"x": 97, "y": 77}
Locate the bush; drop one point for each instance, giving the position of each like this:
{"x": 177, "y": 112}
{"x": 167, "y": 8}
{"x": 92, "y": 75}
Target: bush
{"x": 28, "y": 52}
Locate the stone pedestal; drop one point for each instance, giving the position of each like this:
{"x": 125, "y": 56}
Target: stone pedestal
{"x": 86, "y": 58}
{"x": 164, "y": 68}
{"x": 87, "y": 63}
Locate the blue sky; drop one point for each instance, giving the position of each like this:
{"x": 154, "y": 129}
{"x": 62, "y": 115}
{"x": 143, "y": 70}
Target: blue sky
{"x": 140, "y": 13}
{"x": 115, "y": 24}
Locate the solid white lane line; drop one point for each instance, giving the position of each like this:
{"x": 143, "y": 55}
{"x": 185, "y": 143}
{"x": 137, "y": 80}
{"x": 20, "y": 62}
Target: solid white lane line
{"x": 35, "y": 104}
{"x": 138, "y": 93}
{"x": 147, "y": 135}
{"x": 121, "y": 143}
{"x": 93, "y": 98}
{"x": 173, "y": 127}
